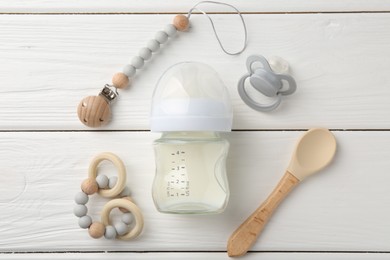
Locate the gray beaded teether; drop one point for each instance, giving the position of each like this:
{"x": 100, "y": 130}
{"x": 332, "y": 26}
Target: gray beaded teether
{"x": 127, "y": 218}
{"x": 121, "y": 228}
{"x": 110, "y": 232}
{"x": 80, "y": 210}
{"x": 108, "y": 187}
{"x": 102, "y": 181}
{"x": 81, "y": 198}
{"x": 85, "y": 221}
{"x": 112, "y": 181}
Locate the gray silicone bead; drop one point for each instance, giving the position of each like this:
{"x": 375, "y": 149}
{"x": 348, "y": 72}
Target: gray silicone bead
{"x": 85, "y": 221}
{"x": 129, "y": 70}
{"x": 112, "y": 181}
{"x": 121, "y": 228}
{"x": 102, "y": 181}
{"x": 161, "y": 37}
{"x": 126, "y": 192}
{"x": 153, "y": 45}
{"x": 145, "y": 53}
{"x": 110, "y": 232}
{"x": 127, "y": 218}
{"x": 137, "y": 62}
{"x": 81, "y": 198}
{"x": 80, "y": 210}
{"x": 170, "y": 29}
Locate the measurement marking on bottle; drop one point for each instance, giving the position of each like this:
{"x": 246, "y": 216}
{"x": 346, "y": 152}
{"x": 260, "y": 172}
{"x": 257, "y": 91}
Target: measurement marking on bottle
{"x": 178, "y": 182}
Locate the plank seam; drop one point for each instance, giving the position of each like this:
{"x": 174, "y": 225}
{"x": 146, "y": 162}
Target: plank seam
{"x": 173, "y": 13}
{"x": 201, "y": 251}
{"x": 234, "y": 130}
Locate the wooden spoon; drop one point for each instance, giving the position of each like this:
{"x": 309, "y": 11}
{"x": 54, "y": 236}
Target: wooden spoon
{"x": 314, "y": 151}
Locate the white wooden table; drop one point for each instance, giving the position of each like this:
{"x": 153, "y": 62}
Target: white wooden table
{"x": 53, "y": 53}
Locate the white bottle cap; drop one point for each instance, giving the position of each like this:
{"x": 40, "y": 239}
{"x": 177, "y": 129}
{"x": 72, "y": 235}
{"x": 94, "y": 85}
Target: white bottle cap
{"x": 190, "y": 96}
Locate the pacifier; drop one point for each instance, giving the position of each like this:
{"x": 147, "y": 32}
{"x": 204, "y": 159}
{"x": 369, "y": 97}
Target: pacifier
{"x": 271, "y": 82}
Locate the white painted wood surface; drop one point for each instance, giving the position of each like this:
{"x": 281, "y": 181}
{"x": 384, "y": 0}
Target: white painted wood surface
{"x": 339, "y": 59}
{"x": 341, "y": 209}
{"x": 164, "y": 6}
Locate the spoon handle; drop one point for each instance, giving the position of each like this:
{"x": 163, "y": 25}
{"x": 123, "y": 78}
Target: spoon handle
{"x": 245, "y": 235}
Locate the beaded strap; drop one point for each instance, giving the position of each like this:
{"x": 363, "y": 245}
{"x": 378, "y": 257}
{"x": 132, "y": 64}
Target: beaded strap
{"x": 95, "y": 111}
{"x": 131, "y": 223}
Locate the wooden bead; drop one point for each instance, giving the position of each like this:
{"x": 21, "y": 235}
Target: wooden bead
{"x": 94, "y": 111}
{"x": 120, "y": 80}
{"x": 96, "y": 230}
{"x": 181, "y": 22}
{"x": 123, "y": 209}
{"x": 89, "y": 186}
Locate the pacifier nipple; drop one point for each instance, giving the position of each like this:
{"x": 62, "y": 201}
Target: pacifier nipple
{"x": 279, "y": 65}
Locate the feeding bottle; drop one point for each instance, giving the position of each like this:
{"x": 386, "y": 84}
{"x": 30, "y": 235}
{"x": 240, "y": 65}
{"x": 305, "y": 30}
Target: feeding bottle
{"x": 191, "y": 106}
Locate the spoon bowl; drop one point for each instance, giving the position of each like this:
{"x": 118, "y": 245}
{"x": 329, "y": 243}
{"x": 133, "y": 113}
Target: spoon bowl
{"x": 313, "y": 152}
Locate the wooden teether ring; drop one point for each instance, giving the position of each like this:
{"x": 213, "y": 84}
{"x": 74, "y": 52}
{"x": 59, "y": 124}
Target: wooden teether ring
{"x": 120, "y": 184}
{"x": 131, "y": 207}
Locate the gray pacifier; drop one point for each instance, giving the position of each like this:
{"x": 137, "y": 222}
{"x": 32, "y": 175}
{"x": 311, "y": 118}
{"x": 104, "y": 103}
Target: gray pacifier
{"x": 267, "y": 82}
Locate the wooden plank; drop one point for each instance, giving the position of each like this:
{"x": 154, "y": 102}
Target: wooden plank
{"x": 159, "y": 6}
{"x": 343, "y": 208}
{"x": 190, "y": 256}
{"x": 339, "y": 61}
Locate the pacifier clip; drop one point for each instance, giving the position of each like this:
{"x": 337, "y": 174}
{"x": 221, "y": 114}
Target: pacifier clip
{"x": 95, "y": 111}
